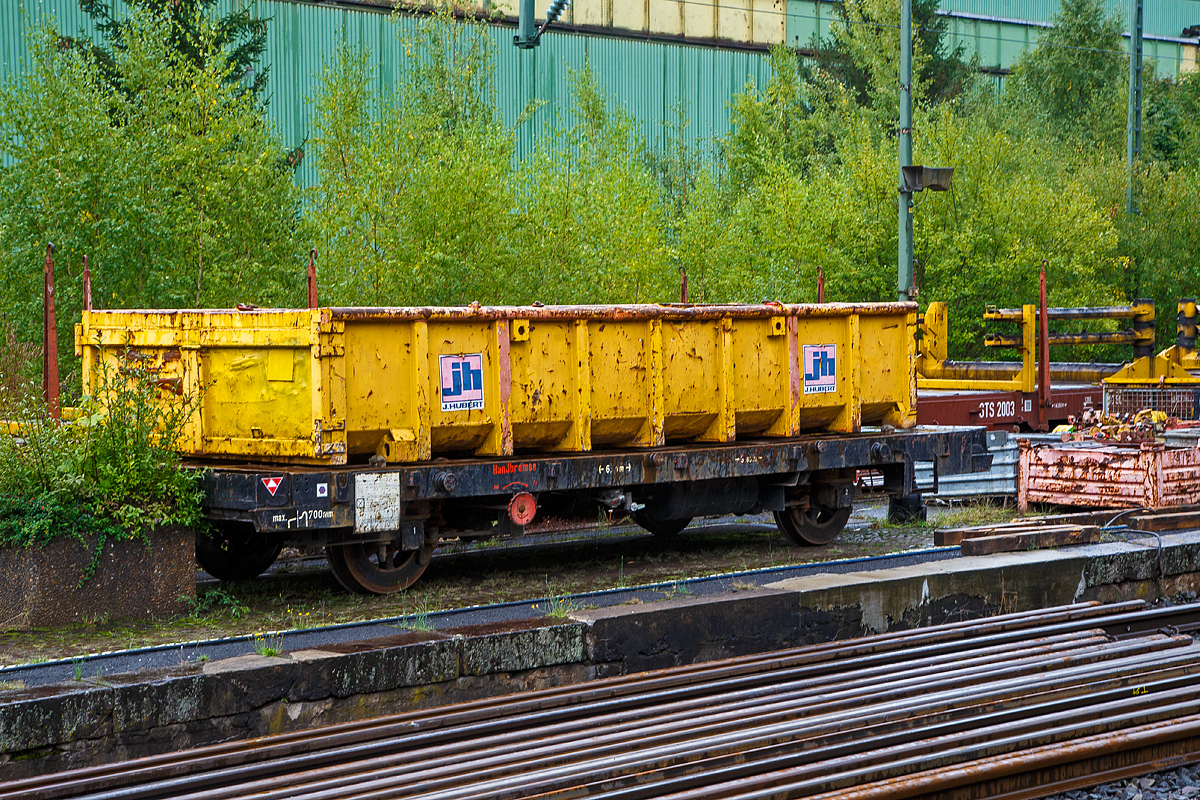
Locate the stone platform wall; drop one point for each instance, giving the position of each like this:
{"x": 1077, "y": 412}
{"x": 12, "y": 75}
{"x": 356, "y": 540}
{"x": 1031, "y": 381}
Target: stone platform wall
{"x": 43, "y": 586}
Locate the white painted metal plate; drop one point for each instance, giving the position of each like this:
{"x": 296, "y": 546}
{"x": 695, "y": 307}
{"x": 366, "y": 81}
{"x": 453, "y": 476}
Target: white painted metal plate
{"x": 377, "y": 502}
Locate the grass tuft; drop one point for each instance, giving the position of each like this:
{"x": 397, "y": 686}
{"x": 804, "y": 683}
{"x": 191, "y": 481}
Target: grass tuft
{"x": 974, "y": 514}
{"x": 269, "y": 646}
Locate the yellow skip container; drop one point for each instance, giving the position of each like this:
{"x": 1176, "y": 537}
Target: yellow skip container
{"x": 329, "y": 385}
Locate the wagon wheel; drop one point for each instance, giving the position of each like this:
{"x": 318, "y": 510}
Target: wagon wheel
{"x": 377, "y": 567}
{"x": 660, "y": 527}
{"x": 812, "y": 526}
{"x": 233, "y": 551}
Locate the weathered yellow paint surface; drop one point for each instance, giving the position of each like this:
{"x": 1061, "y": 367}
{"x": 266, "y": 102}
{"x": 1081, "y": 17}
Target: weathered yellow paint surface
{"x": 409, "y": 384}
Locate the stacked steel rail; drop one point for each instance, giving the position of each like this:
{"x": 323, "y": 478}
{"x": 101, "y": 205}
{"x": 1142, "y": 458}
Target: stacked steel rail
{"x": 1014, "y": 706}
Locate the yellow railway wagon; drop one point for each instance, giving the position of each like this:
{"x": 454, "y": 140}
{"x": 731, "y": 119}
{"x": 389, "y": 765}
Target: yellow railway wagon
{"x": 338, "y": 385}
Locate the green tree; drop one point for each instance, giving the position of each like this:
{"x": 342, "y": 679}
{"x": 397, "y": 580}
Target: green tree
{"x": 238, "y": 38}
{"x": 414, "y": 198}
{"x": 169, "y": 182}
{"x": 1073, "y": 82}
{"x": 591, "y": 210}
{"x": 1172, "y": 121}
{"x": 1159, "y": 247}
{"x": 765, "y": 241}
{"x": 1017, "y": 199}
{"x": 789, "y": 121}
{"x": 863, "y": 54}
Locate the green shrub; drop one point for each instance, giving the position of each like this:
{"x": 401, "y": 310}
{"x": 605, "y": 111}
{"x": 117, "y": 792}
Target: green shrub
{"x": 36, "y": 518}
{"x": 129, "y": 432}
{"x": 413, "y": 201}
{"x": 112, "y": 472}
{"x": 591, "y": 214}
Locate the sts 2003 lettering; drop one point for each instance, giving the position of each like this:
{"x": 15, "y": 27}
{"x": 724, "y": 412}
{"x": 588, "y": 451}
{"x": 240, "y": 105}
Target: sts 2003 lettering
{"x": 998, "y": 410}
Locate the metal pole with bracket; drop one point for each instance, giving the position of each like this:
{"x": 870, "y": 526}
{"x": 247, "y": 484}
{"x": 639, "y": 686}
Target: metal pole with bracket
{"x": 905, "y": 233}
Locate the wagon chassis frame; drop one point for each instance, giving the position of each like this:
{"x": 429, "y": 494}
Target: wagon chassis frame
{"x": 308, "y": 501}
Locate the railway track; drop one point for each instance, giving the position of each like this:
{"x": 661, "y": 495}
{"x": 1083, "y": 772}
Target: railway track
{"x": 1017, "y": 706}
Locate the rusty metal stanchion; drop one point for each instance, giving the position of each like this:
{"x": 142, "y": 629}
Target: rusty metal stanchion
{"x": 1043, "y": 388}
{"x": 50, "y": 387}
{"x": 312, "y": 278}
{"x": 87, "y": 285}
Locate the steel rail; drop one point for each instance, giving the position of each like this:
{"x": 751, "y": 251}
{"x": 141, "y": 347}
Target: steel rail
{"x": 406, "y": 759}
{"x": 1048, "y": 770}
{"x": 698, "y": 773}
{"x": 825, "y": 762}
{"x": 766, "y": 703}
{"x": 474, "y": 789}
{"x": 807, "y": 720}
{"x": 1055, "y": 313}
{"x": 721, "y": 728}
{"x": 893, "y": 762}
{"x": 435, "y": 740}
{"x": 1013, "y": 626}
{"x": 534, "y": 776}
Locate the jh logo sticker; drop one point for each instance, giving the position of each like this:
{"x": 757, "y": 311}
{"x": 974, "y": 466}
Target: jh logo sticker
{"x": 462, "y": 382}
{"x": 820, "y": 368}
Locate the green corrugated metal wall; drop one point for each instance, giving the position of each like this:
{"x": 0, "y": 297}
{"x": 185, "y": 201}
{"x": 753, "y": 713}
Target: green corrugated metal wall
{"x": 1164, "y": 18}
{"x": 999, "y": 32}
{"x": 647, "y": 79}
{"x": 1161, "y": 17}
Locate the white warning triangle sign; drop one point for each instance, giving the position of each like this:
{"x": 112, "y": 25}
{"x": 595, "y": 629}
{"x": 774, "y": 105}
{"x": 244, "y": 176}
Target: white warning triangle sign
{"x": 272, "y": 484}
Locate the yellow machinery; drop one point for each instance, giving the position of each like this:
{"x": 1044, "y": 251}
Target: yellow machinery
{"x": 332, "y": 385}
{"x": 1167, "y": 382}
{"x": 1175, "y": 366}
{"x": 1020, "y": 393}
{"x": 1033, "y": 393}
{"x": 936, "y": 371}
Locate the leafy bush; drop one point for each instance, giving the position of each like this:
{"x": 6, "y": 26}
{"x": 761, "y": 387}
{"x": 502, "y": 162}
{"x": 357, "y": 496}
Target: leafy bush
{"x": 420, "y": 201}
{"x": 112, "y": 472}
{"x": 1073, "y": 82}
{"x": 36, "y": 519}
{"x": 20, "y": 369}
{"x": 591, "y": 216}
{"x": 130, "y": 466}
{"x": 242, "y": 37}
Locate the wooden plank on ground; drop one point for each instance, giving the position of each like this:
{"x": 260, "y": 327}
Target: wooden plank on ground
{"x": 1165, "y": 522}
{"x": 953, "y": 536}
{"x": 1031, "y": 540}
{"x": 1096, "y": 517}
